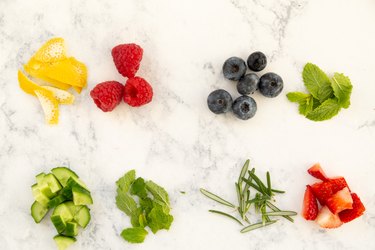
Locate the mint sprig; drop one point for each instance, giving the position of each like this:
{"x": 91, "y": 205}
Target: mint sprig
{"x": 147, "y": 205}
{"x": 326, "y": 95}
{"x": 263, "y": 195}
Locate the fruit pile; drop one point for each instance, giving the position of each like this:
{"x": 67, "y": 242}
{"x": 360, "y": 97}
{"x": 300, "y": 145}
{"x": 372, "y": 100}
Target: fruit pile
{"x": 245, "y": 107}
{"x": 339, "y": 204}
{"x": 58, "y": 73}
{"x": 63, "y": 191}
{"x": 137, "y": 91}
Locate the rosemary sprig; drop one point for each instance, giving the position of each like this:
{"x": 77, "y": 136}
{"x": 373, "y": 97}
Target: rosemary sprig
{"x": 227, "y": 215}
{"x": 261, "y": 200}
{"x": 216, "y": 198}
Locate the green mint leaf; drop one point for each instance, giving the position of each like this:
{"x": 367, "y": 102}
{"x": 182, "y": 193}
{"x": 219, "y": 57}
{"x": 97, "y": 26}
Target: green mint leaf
{"x": 297, "y": 97}
{"x": 146, "y": 204}
{"x": 325, "y": 111}
{"x": 342, "y": 88}
{"x": 134, "y": 217}
{"x": 124, "y": 182}
{"x": 158, "y": 192}
{"x": 134, "y": 235}
{"x": 317, "y": 82}
{"x": 139, "y": 188}
{"x": 126, "y": 203}
{"x": 305, "y": 101}
{"x": 158, "y": 219}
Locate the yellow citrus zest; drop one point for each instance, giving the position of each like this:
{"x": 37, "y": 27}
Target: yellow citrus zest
{"x": 26, "y": 84}
{"x": 62, "y": 96}
{"x": 49, "y": 104}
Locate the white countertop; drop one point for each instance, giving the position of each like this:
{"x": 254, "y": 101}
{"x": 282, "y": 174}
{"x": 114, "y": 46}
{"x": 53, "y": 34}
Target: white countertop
{"x": 176, "y": 141}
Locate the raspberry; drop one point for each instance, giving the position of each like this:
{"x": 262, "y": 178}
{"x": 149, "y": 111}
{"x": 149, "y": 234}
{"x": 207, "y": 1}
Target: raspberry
{"x": 107, "y": 95}
{"x": 137, "y": 92}
{"x": 127, "y": 58}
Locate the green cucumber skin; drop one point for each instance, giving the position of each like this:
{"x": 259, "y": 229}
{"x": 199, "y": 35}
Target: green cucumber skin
{"x": 71, "y": 229}
{"x": 59, "y": 223}
{"x": 63, "y": 174}
{"x": 63, "y": 242}
{"x": 38, "y": 211}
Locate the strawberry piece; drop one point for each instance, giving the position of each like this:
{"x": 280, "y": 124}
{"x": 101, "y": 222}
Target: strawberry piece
{"x": 327, "y": 219}
{"x": 340, "y": 201}
{"x": 322, "y": 191}
{"x": 357, "y": 210}
{"x": 317, "y": 172}
{"x": 338, "y": 184}
{"x": 310, "y": 205}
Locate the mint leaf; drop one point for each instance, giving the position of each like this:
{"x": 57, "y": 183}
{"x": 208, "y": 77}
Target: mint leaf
{"x": 325, "y": 111}
{"x": 317, "y": 82}
{"x": 139, "y": 188}
{"x": 126, "y": 203}
{"x": 146, "y": 204}
{"x": 158, "y": 192}
{"x": 158, "y": 219}
{"x": 305, "y": 101}
{"x": 134, "y": 235}
{"x": 297, "y": 96}
{"x": 124, "y": 182}
{"x": 342, "y": 88}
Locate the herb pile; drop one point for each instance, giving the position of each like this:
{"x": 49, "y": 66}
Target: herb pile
{"x": 262, "y": 199}
{"x": 327, "y": 95}
{"x": 146, "y": 203}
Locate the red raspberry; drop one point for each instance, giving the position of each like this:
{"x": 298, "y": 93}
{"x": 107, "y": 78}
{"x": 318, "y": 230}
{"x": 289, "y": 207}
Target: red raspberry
{"x": 107, "y": 95}
{"x": 137, "y": 92}
{"x": 127, "y": 58}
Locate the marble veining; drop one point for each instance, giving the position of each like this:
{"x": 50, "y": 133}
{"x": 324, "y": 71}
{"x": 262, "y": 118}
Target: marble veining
{"x": 175, "y": 140}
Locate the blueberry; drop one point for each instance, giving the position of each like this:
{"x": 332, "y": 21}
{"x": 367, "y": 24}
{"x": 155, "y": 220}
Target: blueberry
{"x": 234, "y": 68}
{"x": 271, "y": 85}
{"x": 248, "y": 84}
{"x": 244, "y": 107}
{"x": 257, "y": 61}
{"x": 219, "y": 101}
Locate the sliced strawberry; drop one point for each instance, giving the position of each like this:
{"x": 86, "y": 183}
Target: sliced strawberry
{"x": 327, "y": 219}
{"x": 317, "y": 172}
{"x": 340, "y": 201}
{"x": 322, "y": 191}
{"x": 310, "y": 205}
{"x": 357, "y": 210}
{"x": 338, "y": 184}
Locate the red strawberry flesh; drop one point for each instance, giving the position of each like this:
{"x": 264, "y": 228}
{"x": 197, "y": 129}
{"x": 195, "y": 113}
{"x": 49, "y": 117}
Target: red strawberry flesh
{"x": 317, "y": 172}
{"x": 357, "y": 210}
{"x": 310, "y": 205}
{"x": 340, "y": 201}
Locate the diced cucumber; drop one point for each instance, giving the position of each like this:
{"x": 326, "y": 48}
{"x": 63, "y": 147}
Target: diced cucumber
{"x": 52, "y": 182}
{"x": 38, "y": 211}
{"x": 58, "y": 222}
{"x": 72, "y": 181}
{"x": 67, "y": 193}
{"x": 39, "y": 196}
{"x": 64, "y": 211}
{"x": 71, "y": 229}
{"x": 81, "y": 196}
{"x": 39, "y": 178}
{"x": 63, "y": 174}
{"x": 46, "y": 190}
{"x": 56, "y": 201}
{"x": 73, "y": 208}
{"x": 82, "y": 217}
{"x": 63, "y": 242}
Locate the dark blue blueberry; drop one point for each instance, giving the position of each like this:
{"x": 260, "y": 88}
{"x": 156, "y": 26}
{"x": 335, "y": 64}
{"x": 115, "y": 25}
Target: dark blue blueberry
{"x": 219, "y": 101}
{"x": 234, "y": 68}
{"x": 244, "y": 107}
{"x": 257, "y": 61}
{"x": 248, "y": 84}
{"x": 270, "y": 85}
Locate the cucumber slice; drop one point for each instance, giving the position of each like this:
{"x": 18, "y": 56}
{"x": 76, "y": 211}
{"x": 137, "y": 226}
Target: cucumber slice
{"x": 46, "y": 190}
{"x": 56, "y": 201}
{"x": 67, "y": 193}
{"x": 83, "y": 217}
{"x": 71, "y": 229}
{"x": 81, "y": 196}
{"x": 73, "y": 208}
{"x": 38, "y": 211}
{"x": 59, "y": 223}
{"x": 39, "y": 178}
{"x": 39, "y": 196}
{"x": 63, "y": 242}
{"x": 72, "y": 181}
{"x": 64, "y": 212}
{"x": 52, "y": 183}
{"x": 63, "y": 174}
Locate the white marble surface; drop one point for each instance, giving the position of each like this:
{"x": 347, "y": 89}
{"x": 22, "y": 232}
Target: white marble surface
{"x": 175, "y": 140}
